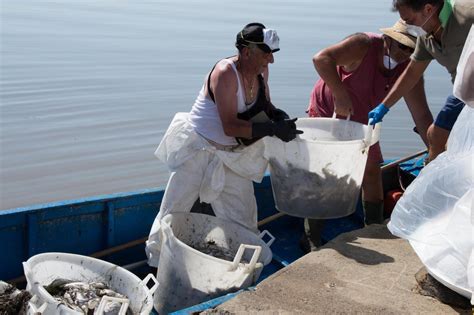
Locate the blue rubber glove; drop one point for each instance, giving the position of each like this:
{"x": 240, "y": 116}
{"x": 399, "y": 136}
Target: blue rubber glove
{"x": 376, "y": 114}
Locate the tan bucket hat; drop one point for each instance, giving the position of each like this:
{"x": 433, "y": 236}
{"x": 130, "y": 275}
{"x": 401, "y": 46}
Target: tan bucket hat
{"x": 399, "y": 33}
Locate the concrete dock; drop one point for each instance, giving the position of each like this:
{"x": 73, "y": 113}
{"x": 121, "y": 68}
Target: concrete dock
{"x": 367, "y": 271}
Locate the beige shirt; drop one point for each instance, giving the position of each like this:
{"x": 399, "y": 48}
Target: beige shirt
{"x": 452, "y": 39}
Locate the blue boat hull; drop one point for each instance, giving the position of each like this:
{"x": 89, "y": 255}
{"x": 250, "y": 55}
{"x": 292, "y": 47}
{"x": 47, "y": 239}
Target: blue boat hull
{"x": 93, "y": 225}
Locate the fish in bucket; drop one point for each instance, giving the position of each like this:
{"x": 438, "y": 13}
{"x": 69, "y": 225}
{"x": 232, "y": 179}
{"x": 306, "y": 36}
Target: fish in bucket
{"x": 319, "y": 174}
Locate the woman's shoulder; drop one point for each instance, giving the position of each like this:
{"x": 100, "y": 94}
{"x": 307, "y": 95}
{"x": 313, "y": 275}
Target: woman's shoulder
{"x": 373, "y": 36}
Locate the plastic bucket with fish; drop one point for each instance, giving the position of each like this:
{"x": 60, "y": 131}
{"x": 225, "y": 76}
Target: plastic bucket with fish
{"x": 203, "y": 257}
{"x": 319, "y": 174}
{"x": 42, "y": 269}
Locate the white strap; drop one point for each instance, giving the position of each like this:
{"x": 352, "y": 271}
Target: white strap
{"x": 334, "y": 116}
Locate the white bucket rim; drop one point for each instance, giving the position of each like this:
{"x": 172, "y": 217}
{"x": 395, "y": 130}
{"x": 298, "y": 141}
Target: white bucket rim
{"x": 210, "y": 257}
{"x": 70, "y": 255}
{"x": 48, "y": 296}
{"x": 333, "y": 142}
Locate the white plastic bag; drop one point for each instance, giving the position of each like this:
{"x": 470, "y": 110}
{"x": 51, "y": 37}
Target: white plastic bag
{"x": 464, "y": 83}
{"x": 448, "y": 256}
{"x": 436, "y": 213}
{"x": 461, "y": 140}
{"x": 431, "y": 198}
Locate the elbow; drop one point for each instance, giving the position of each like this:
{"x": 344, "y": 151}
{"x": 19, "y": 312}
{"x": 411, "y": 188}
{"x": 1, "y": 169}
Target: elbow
{"x": 320, "y": 59}
{"x": 317, "y": 59}
{"x": 229, "y": 131}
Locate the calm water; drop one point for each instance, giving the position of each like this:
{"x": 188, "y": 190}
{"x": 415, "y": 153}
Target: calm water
{"x": 89, "y": 87}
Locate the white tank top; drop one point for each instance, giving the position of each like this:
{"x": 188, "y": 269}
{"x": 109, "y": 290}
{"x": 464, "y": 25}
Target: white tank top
{"x": 205, "y": 118}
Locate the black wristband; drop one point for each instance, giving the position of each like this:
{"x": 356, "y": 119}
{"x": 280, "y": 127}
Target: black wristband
{"x": 260, "y": 130}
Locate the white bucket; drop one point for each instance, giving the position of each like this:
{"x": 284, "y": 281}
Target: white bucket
{"x": 188, "y": 276}
{"x": 319, "y": 174}
{"x": 42, "y": 269}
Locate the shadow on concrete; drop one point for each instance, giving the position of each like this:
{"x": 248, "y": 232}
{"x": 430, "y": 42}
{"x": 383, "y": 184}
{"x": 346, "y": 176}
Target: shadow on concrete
{"x": 363, "y": 255}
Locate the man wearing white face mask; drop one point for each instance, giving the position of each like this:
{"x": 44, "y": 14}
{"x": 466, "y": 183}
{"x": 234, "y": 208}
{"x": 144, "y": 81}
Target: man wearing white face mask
{"x": 443, "y": 27}
{"x": 356, "y": 74}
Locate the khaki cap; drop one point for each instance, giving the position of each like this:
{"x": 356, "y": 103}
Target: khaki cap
{"x": 400, "y": 33}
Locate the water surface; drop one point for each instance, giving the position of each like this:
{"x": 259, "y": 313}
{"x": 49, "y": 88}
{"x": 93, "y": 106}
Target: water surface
{"x": 88, "y": 88}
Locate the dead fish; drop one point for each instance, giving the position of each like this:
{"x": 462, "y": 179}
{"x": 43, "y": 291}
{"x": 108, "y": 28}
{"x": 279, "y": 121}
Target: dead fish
{"x": 82, "y": 296}
{"x": 98, "y": 285}
{"x": 57, "y": 286}
{"x": 68, "y": 298}
{"x": 12, "y": 300}
{"x": 77, "y": 286}
{"x": 109, "y": 292}
{"x": 93, "y": 303}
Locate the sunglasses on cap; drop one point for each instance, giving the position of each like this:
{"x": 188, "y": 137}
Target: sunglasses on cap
{"x": 261, "y": 45}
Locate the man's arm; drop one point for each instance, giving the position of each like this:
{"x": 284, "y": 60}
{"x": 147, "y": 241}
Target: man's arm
{"x": 405, "y": 83}
{"x": 347, "y": 53}
{"x": 418, "y": 106}
{"x": 224, "y": 85}
{"x": 276, "y": 114}
{"x": 265, "y": 75}
{"x": 409, "y": 78}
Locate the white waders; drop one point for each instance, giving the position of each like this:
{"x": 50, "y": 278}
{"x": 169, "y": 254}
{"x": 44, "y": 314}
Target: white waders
{"x": 199, "y": 170}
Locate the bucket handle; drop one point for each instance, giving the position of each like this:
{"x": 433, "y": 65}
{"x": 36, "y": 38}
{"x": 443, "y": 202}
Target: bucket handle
{"x": 27, "y": 270}
{"x": 106, "y": 298}
{"x": 238, "y": 257}
{"x": 372, "y": 135}
{"x": 32, "y": 304}
{"x": 147, "y": 279}
{"x": 272, "y": 238}
{"x": 334, "y": 116}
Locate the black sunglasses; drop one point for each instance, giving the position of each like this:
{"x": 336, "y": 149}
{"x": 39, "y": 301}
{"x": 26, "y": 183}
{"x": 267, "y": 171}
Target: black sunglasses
{"x": 405, "y": 47}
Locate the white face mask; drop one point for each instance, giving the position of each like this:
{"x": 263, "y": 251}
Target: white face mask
{"x": 416, "y": 30}
{"x": 389, "y": 62}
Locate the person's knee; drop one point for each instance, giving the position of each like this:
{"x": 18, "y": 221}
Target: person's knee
{"x": 430, "y": 134}
{"x": 437, "y": 137}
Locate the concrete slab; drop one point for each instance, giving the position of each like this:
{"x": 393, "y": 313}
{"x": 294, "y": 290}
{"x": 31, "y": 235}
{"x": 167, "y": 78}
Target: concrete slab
{"x": 366, "y": 271}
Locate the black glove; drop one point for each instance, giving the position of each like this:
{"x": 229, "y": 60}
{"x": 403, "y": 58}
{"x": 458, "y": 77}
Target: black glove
{"x": 260, "y": 130}
{"x": 284, "y": 129}
{"x": 278, "y": 115}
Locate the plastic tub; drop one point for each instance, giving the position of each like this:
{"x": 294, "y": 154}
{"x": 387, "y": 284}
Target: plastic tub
{"x": 319, "y": 174}
{"x": 188, "y": 276}
{"x": 42, "y": 269}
